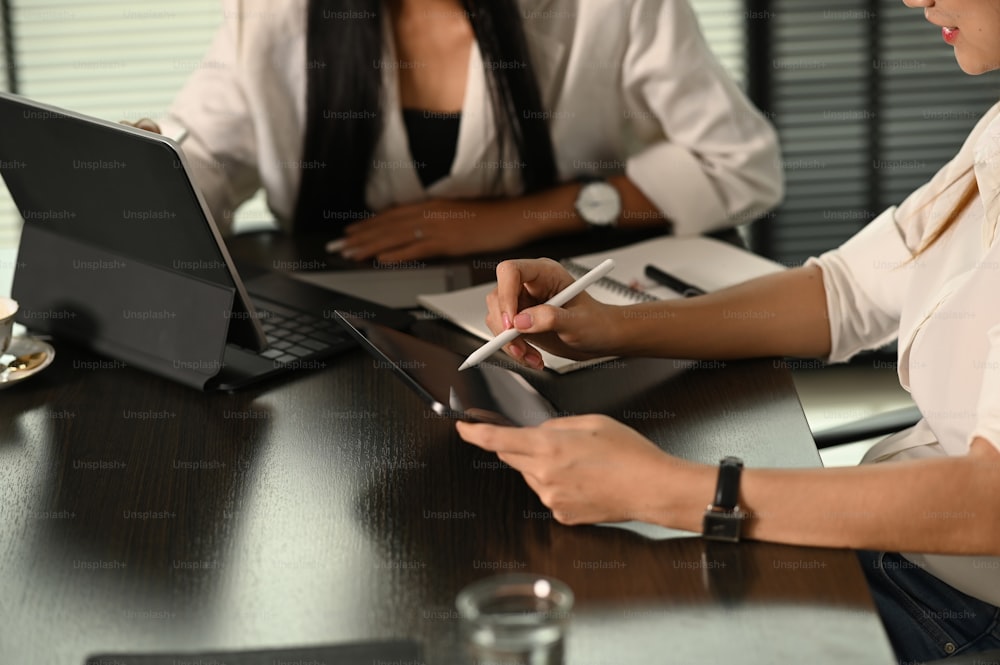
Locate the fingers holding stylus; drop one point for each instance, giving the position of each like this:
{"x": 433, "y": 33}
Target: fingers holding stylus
{"x": 523, "y": 283}
{"x": 519, "y": 349}
{"x": 525, "y": 300}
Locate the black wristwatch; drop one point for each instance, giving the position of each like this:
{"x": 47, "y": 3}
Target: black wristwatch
{"x": 723, "y": 518}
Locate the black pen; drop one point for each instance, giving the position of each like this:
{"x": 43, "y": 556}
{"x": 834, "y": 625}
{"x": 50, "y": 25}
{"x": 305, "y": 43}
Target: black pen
{"x": 673, "y": 283}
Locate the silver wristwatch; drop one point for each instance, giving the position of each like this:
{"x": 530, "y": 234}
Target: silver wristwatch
{"x": 599, "y": 204}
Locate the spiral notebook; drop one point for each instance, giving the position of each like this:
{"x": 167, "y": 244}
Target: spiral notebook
{"x": 704, "y": 262}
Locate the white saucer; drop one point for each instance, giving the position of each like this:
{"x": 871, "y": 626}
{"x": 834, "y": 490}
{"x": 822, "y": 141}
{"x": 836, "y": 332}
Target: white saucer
{"x": 24, "y": 348}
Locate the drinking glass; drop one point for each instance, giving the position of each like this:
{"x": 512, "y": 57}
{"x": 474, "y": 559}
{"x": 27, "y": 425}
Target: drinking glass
{"x": 515, "y": 619}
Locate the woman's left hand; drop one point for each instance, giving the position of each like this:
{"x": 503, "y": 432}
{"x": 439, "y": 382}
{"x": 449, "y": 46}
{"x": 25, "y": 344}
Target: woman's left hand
{"x": 587, "y": 469}
{"x": 442, "y": 228}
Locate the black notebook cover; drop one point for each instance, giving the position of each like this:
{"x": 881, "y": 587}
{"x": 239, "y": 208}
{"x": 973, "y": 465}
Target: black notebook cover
{"x": 403, "y": 652}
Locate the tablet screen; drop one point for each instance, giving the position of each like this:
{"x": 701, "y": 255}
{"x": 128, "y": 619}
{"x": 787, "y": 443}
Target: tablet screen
{"x": 486, "y": 393}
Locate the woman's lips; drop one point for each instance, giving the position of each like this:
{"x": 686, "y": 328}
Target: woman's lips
{"x": 949, "y": 34}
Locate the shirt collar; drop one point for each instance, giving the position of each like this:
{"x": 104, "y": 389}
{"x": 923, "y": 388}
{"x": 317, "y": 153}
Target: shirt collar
{"x": 986, "y": 163}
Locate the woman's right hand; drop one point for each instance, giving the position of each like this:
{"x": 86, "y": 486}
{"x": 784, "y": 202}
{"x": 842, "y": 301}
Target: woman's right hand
{"x": 582, "y": 328}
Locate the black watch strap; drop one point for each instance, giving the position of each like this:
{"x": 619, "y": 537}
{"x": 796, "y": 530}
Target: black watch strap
{"x": 727, "y": 490}
{"x": 723, "y": 519}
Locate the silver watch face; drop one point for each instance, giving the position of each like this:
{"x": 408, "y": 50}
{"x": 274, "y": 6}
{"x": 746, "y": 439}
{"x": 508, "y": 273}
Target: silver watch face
{"x": 599, "y": 204}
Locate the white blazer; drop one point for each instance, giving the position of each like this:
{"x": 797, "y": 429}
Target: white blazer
{"x": 629, "y": 86}
{"x": 944, "y": 308}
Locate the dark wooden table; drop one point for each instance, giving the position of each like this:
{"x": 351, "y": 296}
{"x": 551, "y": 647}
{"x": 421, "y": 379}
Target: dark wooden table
{"x": 139, "y": 515}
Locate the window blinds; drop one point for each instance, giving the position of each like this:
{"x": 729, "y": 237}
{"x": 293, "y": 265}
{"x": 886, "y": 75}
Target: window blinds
{"x": 724, "y": 26}
{"x": 113, "y": 59}
{"x": 869, "y": 103}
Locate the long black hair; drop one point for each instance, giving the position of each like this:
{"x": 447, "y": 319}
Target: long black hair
{"x": 344, "y": 99}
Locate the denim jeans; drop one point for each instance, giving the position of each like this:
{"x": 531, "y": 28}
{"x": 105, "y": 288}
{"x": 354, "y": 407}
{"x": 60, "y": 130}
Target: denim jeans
{"x": 925, "y": 618}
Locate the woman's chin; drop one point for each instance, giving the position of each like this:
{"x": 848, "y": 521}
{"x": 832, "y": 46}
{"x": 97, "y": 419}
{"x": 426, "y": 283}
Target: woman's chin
{"x": 974, "y": 67}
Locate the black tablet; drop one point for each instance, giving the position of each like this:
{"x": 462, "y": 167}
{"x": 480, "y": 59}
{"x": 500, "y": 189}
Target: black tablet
{"x": 487, "y": 393}
{"x": 116, "y": 200}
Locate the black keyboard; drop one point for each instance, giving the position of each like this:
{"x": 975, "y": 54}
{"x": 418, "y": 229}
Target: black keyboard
{"x": 294, "y": 336}
{"x": 300, "y": 329}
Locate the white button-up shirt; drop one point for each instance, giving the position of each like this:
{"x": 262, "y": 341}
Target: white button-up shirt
{"x": 629, "y": 86}
{"x": 944, "y": 307}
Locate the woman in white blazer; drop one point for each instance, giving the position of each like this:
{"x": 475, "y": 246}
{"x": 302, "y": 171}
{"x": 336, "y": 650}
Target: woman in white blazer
{"x": 926, "y": 273}
{"x": 306, "y": 99}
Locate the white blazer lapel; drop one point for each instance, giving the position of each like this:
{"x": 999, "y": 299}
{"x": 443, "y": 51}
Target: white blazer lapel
{"x": 987, "y": 167}
{"x": 476, "y": 148}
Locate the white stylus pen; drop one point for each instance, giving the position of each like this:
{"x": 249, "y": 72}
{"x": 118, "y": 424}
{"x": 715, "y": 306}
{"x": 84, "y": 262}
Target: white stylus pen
{"x": 558, "y": 300}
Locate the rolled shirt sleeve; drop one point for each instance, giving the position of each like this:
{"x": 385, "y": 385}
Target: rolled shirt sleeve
{"x": 865, "y": 280}
{"x": 717, "y": 162}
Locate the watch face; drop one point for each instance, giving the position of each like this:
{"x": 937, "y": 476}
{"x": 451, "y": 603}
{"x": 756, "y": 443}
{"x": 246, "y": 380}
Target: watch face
{"x": 599, "y": 204}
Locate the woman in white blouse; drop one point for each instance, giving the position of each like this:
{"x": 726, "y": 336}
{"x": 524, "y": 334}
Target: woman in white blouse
{"x": 446, "y": 127}
{"x": 927, "y": 273}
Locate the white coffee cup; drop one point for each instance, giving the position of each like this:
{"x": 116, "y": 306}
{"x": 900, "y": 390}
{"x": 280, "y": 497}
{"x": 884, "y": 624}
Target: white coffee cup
{"x": 8, "y": 308}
